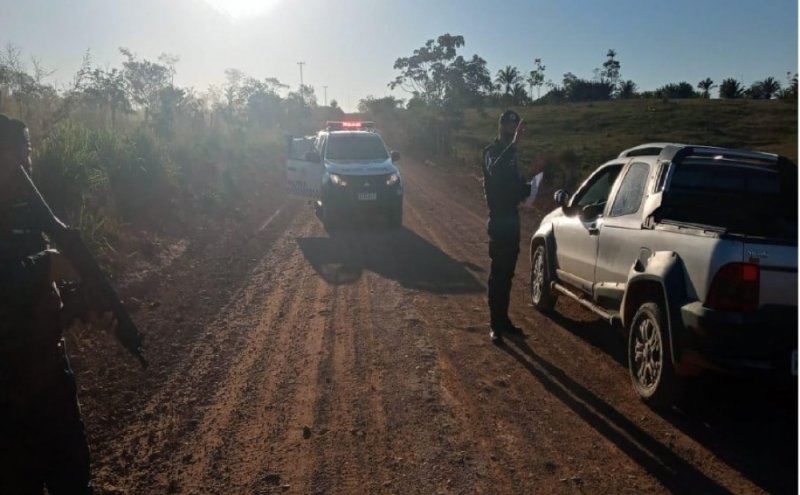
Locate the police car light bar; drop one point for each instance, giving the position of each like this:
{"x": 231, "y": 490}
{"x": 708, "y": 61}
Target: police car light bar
{"x": 349, "y": 125}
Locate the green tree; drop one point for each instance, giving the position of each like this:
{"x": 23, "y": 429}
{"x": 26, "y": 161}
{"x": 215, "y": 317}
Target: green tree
{"x": 626, "y": 89}
{"x": 677, "y": 91}
{"x": 468, "y": 82}
{"x": 507, "y": 78}
{"x": 107, "y": 90}
{"x": 423, "y": 74}
{"x": 379, "y": 106}
{"x": 768, "y": 88}
{"x": 611, "y": 68}
{"x": 519, "y": 95}
{"x": 706, "y": 85}
{"x": 536, "y": 77}
{"x": 790, "y": 91}
{"x": 730, "y": 88}
{"x": 145, "y": 80}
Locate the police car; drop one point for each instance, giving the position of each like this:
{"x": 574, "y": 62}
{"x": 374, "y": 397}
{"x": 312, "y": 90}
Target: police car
{"x": 348, "y": 172}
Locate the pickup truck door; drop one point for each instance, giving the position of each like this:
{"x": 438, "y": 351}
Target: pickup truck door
{"x": 303, "y": 178}
{"x": 576, "y": 233}
{"x": 622, "y": 239}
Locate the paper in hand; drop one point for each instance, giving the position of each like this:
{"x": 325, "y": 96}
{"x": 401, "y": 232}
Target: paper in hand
{"x": 535, "y": 183}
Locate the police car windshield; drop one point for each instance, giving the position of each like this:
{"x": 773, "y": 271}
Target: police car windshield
{"x": 356, "y": 147}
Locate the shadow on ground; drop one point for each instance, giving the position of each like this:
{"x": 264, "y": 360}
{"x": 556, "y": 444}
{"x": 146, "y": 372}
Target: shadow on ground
{"x": 675, "y": 473}
{"x": 749, "y": 423}
{"x": 397, "y": 254}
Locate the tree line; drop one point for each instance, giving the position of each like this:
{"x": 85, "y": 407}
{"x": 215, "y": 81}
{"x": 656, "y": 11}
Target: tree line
{"x": 437, "y": 75}
{"x": 144, "y": 90}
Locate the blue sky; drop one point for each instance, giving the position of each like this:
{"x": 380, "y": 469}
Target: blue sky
{"x": 351, "y": 45}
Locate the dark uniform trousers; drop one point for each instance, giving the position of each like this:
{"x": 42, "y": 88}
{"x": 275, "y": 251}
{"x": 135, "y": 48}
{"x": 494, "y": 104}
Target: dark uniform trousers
{"x": 504, "y": 236}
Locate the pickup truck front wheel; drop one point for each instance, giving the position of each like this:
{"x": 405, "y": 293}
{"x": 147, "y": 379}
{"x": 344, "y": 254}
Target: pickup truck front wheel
{"x": 649, "y": 362}
{"x": 542, "y": 296}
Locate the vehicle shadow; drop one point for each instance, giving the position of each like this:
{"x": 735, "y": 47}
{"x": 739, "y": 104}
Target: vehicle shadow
{"x": 676, "y": 474}
{"x": 398, "y": 254}
{"x": 750, "y": 424}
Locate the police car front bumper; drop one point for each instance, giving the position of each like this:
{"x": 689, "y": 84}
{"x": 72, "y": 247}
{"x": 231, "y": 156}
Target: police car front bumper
{"x": 362, "y": 194}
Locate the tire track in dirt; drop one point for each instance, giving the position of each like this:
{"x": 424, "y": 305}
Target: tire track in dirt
{"x": 261, "y": 369}
{"x": 175, "y": 409}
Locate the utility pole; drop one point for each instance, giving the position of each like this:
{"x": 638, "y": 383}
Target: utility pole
{"x": 325, "y": 88}
{"x": 301, "y": 64}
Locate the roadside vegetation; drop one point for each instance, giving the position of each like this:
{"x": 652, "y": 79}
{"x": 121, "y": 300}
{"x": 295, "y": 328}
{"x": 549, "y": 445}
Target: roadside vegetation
{"x": 124, "y": 152}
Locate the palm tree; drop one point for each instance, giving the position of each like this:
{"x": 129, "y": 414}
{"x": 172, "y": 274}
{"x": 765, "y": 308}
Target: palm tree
{"x": 769, "y": 87}
{"x": 626, "y": 89}
{"x": 519, "y": 94}
{"x": 508, "y": 78}
{"x": 706, "y": 85}
{"x": 730, "y": 88}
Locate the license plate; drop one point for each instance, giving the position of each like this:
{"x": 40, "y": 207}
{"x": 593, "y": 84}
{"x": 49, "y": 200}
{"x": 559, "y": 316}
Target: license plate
{"x": 794, "y": 363}
{"x": 367, "y": 196}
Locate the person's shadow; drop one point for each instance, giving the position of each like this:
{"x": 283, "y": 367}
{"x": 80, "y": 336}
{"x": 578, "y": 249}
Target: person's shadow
{"x": 749, "y": 423}
{"x": 399, "y": 254}
{"x": 675, "y": 473}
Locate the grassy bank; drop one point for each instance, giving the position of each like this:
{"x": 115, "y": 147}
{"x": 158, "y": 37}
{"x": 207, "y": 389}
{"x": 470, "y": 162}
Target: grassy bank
{"x": 580, "y": 136}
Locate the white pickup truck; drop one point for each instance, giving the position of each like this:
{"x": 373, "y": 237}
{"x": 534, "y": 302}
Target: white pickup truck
{"x": 693, "y": 249}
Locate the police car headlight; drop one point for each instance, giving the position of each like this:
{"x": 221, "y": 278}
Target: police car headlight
{"x": 393, "y": 179}
{"x": 338, "y": 180}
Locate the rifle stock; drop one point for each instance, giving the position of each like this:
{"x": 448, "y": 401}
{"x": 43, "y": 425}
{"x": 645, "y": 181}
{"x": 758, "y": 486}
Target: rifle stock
{"x": 72, "y": 246}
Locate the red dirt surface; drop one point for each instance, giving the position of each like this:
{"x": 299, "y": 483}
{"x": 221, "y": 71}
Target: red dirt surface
{"x": 287, "y": 361}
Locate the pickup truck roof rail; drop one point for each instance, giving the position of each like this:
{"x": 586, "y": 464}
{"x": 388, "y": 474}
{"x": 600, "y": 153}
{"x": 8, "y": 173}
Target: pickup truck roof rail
{"x": 678, "y": 153}
{"x": 647, "y": 149}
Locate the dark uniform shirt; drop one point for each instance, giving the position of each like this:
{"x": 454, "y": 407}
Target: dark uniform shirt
{"x": 504, "y": 188}
{"x": 22, "y": 262}
{"x": 24, "y": 272}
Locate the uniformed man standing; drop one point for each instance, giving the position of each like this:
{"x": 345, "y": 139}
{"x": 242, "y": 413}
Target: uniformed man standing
{"x": 505, "y": 189}
{"x": 42, "y": 438}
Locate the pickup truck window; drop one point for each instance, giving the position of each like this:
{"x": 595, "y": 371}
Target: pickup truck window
{"x": 746, "y": 199}
{"x": 629, "y": 197}
{"x": 598, "y": 190}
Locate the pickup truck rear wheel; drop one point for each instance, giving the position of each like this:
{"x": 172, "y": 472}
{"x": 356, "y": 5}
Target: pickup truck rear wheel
{"x": 649, "y": 362}
{"x": 542, "y": 296}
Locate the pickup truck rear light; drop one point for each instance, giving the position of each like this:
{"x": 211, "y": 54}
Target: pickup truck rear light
{"x": 735, "y": 288}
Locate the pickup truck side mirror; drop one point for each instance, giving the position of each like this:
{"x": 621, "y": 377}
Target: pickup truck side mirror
{"x": 313, "y": 157}
{"x": 561, "y": 197}
{"x": 395, "y": 156}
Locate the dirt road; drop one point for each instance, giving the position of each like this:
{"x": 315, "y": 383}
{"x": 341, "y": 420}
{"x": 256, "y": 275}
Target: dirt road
{"x": 284, "y": 361}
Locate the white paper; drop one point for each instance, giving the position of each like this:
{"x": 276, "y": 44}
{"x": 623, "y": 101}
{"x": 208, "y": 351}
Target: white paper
{"x": 536, "y": 182}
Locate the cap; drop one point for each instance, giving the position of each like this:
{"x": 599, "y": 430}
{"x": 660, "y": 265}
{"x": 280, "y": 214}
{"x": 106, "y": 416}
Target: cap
{"x": 509, "y": 117}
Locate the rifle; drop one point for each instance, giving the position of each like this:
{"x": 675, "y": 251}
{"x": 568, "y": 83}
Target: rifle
{"x": 71, "y": 245}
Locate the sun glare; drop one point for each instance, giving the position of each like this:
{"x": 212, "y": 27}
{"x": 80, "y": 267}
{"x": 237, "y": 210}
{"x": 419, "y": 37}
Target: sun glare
{"x": 240, "y": 9}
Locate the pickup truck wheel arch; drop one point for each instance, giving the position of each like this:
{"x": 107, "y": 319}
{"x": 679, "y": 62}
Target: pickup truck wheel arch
{"x": 659, "y": 279}
{"x": 652, "y": 372}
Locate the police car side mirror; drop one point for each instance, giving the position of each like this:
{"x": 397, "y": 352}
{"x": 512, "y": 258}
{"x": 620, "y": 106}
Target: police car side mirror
{"x": 395, "y": 156}
{"x": 313, "y": 157}
{"x": 561, "y": 197}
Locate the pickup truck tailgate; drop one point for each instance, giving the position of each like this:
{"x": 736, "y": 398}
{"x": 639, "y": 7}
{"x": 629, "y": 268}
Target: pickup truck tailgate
{"x": 778, "y": 271}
